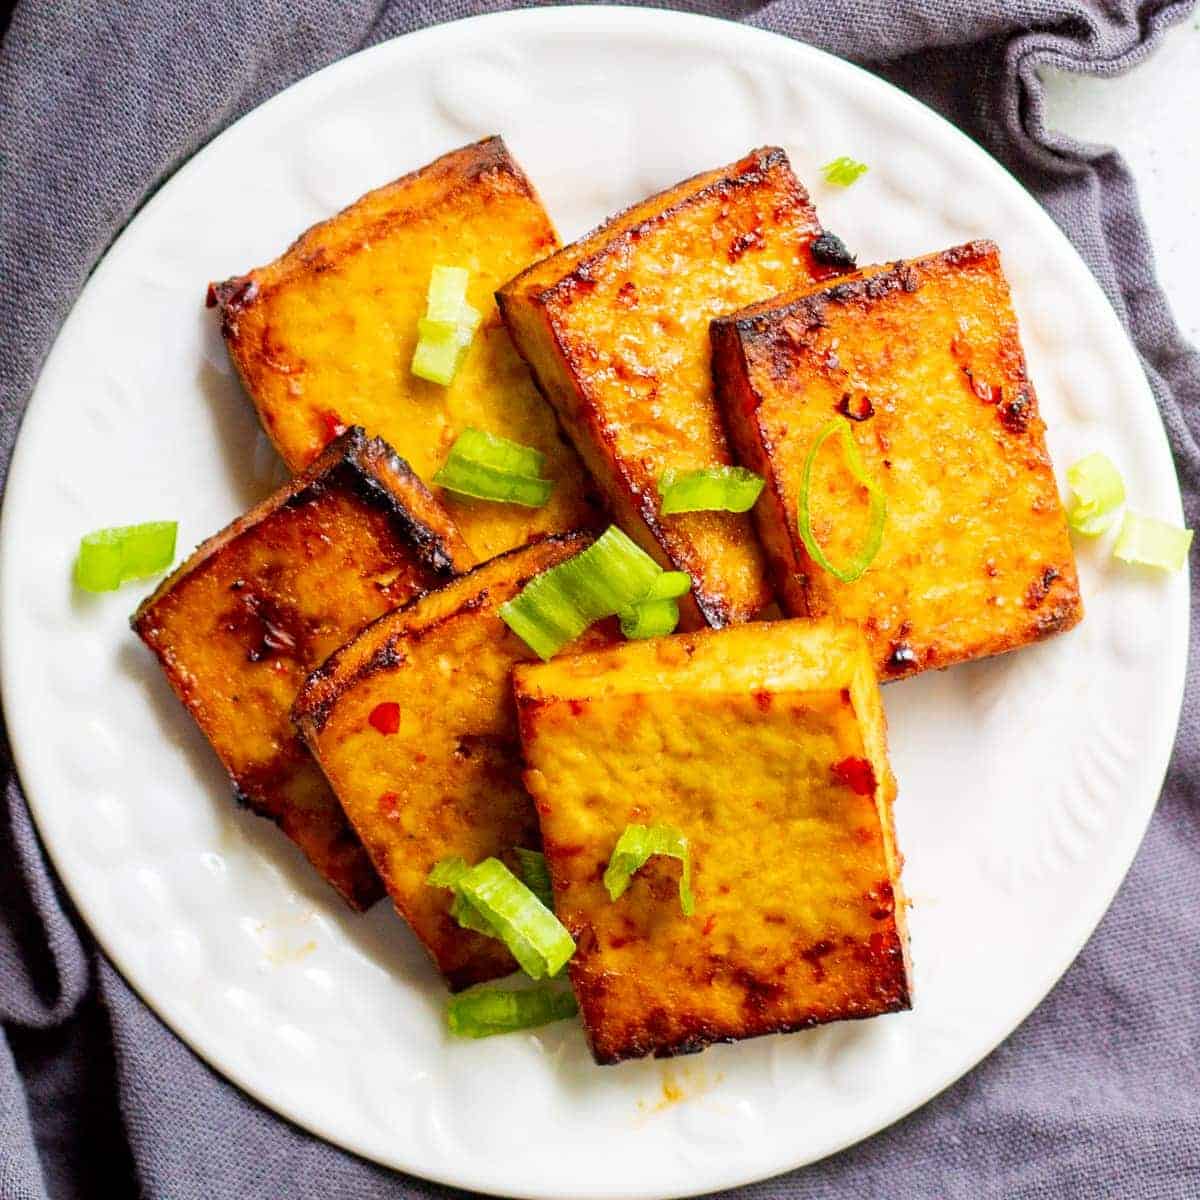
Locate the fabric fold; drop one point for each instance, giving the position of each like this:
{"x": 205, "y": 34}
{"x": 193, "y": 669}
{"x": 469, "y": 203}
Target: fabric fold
{"x": 44, "y": 962}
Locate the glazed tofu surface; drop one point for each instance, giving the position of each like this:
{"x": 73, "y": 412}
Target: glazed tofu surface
{"x": 243, "y": 621}
{"x": 615, "y": 329}
{"x": 924, "y": 360}
{"x": 764, "y": 744}
{"x": 323, "y": 337}
{"x": 414, "y": 725}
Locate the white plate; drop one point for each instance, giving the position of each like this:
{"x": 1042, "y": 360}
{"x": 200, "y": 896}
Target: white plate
{"x": 1026, "y": 782}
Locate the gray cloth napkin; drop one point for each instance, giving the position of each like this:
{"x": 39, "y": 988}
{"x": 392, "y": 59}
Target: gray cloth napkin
{"x": 1097, "y": 1094}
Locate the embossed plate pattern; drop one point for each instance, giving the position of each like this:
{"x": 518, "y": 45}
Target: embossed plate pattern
{"x": 1026, "y": 782}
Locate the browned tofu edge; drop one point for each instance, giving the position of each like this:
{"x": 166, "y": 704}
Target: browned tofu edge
{"x": 739, "y": 403}
{"x": 383, "y": 479}
{"x": 366, "y": 655}
{"x": 358, "y": 658}
{"x": 238, "y": 297}
{"x": 525, "y": 299}
{"x": 573, "y": 265}
{"x": 531, "y": 691}
{"x": 454, "y": 172}
{"x": 381, "y": 476}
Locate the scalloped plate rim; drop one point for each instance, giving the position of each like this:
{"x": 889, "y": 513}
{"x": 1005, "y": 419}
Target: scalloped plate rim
{"x": 632, "y": 22}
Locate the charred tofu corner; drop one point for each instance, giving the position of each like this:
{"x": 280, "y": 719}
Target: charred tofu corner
{"x": 415, "y": 728}
{"x": 923, "y": 361}
{"x": 323, "y": 337}
{"x": 615, "y": 330}
{"x": 765, "y": 745}
{"x": 242, "y": 622}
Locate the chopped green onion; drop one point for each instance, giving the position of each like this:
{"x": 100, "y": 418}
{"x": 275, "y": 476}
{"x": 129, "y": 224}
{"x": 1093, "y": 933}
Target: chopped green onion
{"x": 534, "y": 935}
{"x": 657, "y": 614}
{"x": 536, "y": 876}
{"x": 611, "y": 574}
{"x": 438, "y": 357}
{"x": 437, "y": 331}
{"x": 492, "y": 1010}
{"x": 498, "y": 452}
{"x": 469, "y": 917}
{"x": 110, "y": 557}
{"x": 446, "y": 329}
{"x": 1099, "y": 492}
{"x": 878, "y": 509}
{"x": 447, "y": 293}
{"x": 636, "y": 846}
{"x": 713, "y": 489}
{"x": 843, "y": 171}
{"x": 1151, "y": 543}
{"x": 463, "y": 329}
{"x": 148, "y": 549}
{"x": 490, "y": 899}
{"x": 98, "y": 567}
{"x": 670, "y": 585}
{"x": 650, "y": 619}
{"x": 493, "y": 468}
{"x": 543, "y": 616}
{"x": 446, "y": 874}
{"x": 486, "y": 483}
{"x": 607, "y": 578}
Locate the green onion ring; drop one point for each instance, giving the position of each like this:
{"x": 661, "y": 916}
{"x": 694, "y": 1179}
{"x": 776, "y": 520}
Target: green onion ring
{"x": 636, "y": 846}
{"x": 536, "y": 875}
{"x": 878, "y": 511}
{"x": 491, "y": 1010}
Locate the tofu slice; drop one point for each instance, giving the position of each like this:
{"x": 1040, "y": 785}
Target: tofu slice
{"x": 615, "y": 328}
{"x": 926, "y": 360}
{"x": 323, "y": 337}
{"x": 765, "y": 745}
{"x": 415, "y": 728}
{"x": 239, "y": 626}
